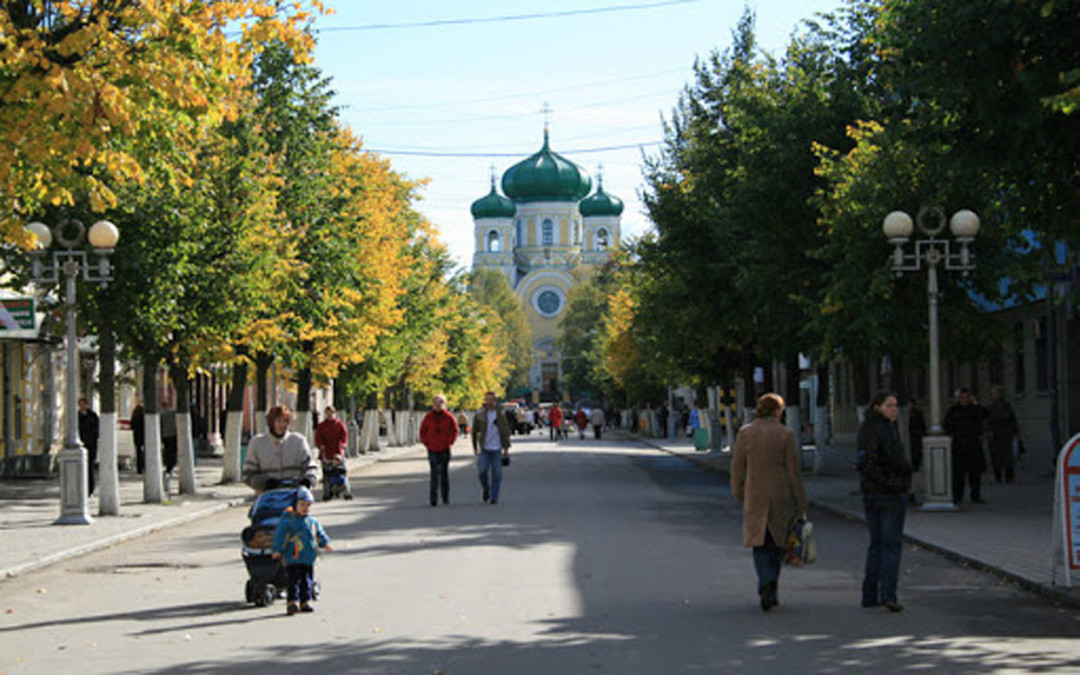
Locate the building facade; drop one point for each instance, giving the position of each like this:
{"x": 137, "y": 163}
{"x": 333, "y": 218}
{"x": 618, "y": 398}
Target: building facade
{"x": 543, "y": 233}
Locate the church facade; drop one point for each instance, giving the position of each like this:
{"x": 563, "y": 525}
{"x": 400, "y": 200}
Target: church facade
{"x": 543, "y": 232}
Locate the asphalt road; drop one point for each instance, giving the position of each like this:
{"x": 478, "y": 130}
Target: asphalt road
{"x": 600, "y": 558}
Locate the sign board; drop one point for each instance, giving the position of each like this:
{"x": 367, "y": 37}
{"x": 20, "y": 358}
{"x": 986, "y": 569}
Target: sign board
{"x": 1067, "y": 495}
{"x": 16, "y": 314}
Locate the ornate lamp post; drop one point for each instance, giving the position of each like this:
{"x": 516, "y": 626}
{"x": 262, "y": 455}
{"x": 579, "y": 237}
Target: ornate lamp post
{"x": 72, "y": 260}
{"x": 932, "y": 251}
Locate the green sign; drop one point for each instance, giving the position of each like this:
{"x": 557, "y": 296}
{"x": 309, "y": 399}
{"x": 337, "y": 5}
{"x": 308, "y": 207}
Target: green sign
{"x": 16, "y": 314}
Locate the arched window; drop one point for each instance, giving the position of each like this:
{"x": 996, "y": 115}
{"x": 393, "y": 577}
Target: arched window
{"x": 494, "y": 244}
{"x": 547, "y": 233}
{"x": 520, "y": 233}
{"x": 602, "y": 240}
{"x": 577, "y": 232}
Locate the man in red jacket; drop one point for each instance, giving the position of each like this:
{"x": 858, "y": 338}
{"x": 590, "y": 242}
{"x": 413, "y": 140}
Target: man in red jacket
{"x": 438, "y": 432}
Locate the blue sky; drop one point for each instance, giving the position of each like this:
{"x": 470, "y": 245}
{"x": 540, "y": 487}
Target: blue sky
{"x": 452, "y": 100}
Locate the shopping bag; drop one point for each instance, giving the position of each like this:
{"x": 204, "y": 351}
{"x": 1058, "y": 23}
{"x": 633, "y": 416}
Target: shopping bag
{"x": 801, "y": 547}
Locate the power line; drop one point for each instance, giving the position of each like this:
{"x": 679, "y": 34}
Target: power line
{"x": 504, "y": 18}
{"x": 433, "y": 153}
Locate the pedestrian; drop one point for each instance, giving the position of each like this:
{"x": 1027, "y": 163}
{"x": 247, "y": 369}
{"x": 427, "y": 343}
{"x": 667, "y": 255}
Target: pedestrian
{"x": 581, "y": 420}
{"x": 662, "y": 413}
{"x": 491, "y": 445}
{"x": 766, "y": 477}
{"x": 598, "y": 421}
{"x": 964, "y": 421}
{"x": 278, "y": 454}
{"x": 462, "y": 422}
{"x": 89, "y": 430}
{"x": 331, "y": 437}
{"x": 1004, "y": 428}
{"x": 438, "y": 432}
{"x": 168, "y": 438}
{"x": 916, "y": 432}
{"x": 884, "y": 480}
{"x": 138, "y": 435}
{"x": 555, "y": 420}
{"x": 297, "y": 540}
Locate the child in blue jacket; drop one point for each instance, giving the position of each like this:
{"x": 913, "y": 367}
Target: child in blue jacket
{"x": 297, "y": 541}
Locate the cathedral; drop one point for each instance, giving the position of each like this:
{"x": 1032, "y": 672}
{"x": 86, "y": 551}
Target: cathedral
{"x": 543, "y": 226}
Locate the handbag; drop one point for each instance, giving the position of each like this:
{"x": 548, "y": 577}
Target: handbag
{"x": 801, "y": 547}
{"x": 506, "y": 460}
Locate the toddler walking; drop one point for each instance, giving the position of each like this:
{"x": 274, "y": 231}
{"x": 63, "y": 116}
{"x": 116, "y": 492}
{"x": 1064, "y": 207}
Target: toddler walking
{"x": 297, "y": 541}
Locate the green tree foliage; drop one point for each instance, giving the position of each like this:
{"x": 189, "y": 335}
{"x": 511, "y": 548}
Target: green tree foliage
{"x": 512, "y": 333}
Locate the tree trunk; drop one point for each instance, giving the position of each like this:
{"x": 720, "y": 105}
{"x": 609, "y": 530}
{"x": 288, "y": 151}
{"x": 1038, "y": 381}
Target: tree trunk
{"x": 185, "y": 450}
{"x": 263, "y": 361}
{"x": 108, "y": 472}
{"x": 792, "y": 398}
{"x": 821, "y": 417}
{"x": 303, "y": 424}
{"x": 153, "y": 485}
{"x": 232, "y": 466}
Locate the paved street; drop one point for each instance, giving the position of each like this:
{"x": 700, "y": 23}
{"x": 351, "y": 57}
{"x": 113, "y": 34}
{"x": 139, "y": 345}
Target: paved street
{"x": 601, "y": 557}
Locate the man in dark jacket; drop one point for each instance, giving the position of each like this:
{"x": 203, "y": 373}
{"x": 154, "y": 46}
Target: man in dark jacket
{"x": 965, "y": 422}
{"x": 89, "y": 430}
{"x": 438, "y": 432}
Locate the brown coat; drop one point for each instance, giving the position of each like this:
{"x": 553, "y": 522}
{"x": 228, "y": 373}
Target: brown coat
{"x": 767, "y": 478}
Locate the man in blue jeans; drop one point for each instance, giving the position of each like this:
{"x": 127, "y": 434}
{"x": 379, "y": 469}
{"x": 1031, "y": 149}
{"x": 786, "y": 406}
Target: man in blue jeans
{"x": 491, "y": 442}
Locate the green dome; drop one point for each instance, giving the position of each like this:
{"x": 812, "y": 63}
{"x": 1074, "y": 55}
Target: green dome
{"x": 601, "y": 203}
{"x": 546, "y": 176}
{"x": 493, "y": 205}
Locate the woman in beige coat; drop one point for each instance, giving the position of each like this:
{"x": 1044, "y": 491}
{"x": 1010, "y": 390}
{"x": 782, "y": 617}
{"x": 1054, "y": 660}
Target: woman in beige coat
{"x": 767, "y": 479}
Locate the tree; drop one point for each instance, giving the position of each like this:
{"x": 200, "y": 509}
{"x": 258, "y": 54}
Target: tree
{"x": 82, "y": 83}
{"x": 512, "y": 334}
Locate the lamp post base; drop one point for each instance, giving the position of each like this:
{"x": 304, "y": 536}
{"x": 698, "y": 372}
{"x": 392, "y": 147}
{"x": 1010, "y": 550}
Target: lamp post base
{"x": 73, "y": 468}
{"x": 937, "y": 473}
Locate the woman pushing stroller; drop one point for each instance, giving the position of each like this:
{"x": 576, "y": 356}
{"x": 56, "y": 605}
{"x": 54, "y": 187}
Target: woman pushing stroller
{"x": 279, "y": 456}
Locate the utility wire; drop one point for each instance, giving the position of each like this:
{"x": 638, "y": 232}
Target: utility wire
{"x": 583, "y": 151}
{"x": 504, "y": 18}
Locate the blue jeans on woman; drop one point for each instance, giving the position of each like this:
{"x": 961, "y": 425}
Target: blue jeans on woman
{"x": 490, "y": 461}
{"x": 767, "y": 560}
{"x": 885, "y": 520}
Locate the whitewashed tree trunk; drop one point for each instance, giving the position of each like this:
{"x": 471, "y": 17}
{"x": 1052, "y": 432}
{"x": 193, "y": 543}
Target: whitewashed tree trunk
{"x": 153, "y": 481}
{"x": 231, "y": 469}
{"x": 185, "y": 453}
{"x": 108, "y": 474}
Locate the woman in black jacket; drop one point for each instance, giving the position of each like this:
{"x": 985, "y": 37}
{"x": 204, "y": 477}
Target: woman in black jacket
{"x": 885, "y": 481}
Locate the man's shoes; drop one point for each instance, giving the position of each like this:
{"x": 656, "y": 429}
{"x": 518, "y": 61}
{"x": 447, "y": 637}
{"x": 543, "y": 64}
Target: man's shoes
{"x": 893, "y": 606}
{"x": 494, "y": 502}
{"x": 487, "y": 496}
{"x": 433, "y": 502}
{"x": 306, "y": 608}
{"x": 291, "y": 609}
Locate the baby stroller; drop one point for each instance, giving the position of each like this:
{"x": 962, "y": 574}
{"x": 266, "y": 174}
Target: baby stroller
{"x": 335, "y": 480}
{"x": 266, "y": 576}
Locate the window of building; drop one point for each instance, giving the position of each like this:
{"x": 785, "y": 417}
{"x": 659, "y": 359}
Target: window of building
{"x": 1042, "y": 357}
{"x": 1018, "y": 358}
{"x": 602, "y": 241}
{"x": 494, "y": 244}
{"x": 520, "y": 227}
{"x": 547, "y": 233}
{"x": 577, "y": 233}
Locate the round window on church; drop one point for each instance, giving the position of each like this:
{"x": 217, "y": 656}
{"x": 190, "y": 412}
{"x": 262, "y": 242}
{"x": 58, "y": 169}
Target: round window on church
{"x": 548, "y": 301}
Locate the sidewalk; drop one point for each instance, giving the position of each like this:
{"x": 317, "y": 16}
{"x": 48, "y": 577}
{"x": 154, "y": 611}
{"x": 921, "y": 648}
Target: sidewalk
{"x": 1010, "y": 535}
{"x": 28, "y": 507}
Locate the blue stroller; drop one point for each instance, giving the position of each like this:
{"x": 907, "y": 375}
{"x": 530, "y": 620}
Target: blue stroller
{"x": 335, "y": 480}
{"x": 266, "y": 576}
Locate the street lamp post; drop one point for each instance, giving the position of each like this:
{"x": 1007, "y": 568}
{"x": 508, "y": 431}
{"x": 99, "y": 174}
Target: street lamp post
{"x": 72, "y": 260}
{"x": 934, "y": 252}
